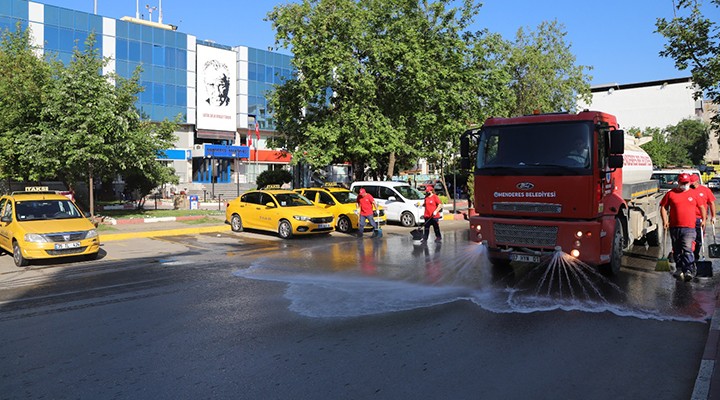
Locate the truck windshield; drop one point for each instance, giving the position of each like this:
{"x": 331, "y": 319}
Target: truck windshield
{"x": 538, "y": 146}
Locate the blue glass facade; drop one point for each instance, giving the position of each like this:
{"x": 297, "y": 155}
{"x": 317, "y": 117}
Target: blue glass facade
{"x": 66, "y": 29}
{"x": 12, "y": 11}
{"x": 265, "y": 69}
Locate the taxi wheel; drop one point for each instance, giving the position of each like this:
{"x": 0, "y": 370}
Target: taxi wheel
{"x": 344, "y": 225}
{"x": 236, "y": 223}
{"x": 285, "y": 230}
{"x": 20, "y": 261}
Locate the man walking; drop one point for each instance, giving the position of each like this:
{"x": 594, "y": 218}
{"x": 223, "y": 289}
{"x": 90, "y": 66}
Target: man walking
{"x": 365, "y": 206}
{"x": 704, "y": 197}
{"x": 433, "y": 212}
{"x": 678, "y": 210}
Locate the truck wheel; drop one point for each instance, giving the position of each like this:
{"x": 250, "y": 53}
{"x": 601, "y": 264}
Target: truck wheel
{"x": 407, "y": 219}
{"x": 613, "y": 267}
{"x": 344, "y": 224}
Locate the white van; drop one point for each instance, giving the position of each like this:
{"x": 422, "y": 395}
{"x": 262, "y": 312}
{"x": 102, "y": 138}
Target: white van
{"x": 668, "y": 177}
{"x": 402, "y": 202}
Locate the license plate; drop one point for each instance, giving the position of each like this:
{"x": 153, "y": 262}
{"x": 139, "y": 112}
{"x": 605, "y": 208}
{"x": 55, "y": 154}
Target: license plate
{"x": 525, "y": 258}
{"x": 321, "y": 226}
{"x": 69, "y": 245}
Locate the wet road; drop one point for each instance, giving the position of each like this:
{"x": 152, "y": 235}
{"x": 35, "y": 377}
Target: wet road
{"x": 253, "y": 317}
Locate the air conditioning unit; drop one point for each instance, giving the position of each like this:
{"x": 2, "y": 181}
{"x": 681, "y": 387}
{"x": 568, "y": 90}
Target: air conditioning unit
{"x": 198, "y": 150}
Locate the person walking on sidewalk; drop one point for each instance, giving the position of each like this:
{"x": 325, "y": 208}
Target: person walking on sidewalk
{"x": 433, "y": 212}
{"x": 705, "y": 197}
{"x": 365, "y": 207}
{"x": 678, "y": 209}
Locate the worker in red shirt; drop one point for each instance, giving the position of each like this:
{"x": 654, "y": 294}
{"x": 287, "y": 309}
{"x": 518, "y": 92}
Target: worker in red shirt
{"x": 433, "y": 212}
{"x": 678, "y": 209}
{"x": 365, "y": 207}
{"x": 705, "y": 197}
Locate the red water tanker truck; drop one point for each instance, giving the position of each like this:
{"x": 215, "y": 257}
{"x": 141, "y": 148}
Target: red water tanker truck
{"x": 570, "y": 182}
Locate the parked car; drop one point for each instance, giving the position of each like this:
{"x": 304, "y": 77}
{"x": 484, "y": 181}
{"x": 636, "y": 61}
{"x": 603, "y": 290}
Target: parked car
{"x": 402, "y": 202}
{"x": 714, "y": 183}
{"x": 342, "y": 203}
{"x": 277, "y": 210}
{"x": 44, "y": 224}
{"x": 668, "y": 177}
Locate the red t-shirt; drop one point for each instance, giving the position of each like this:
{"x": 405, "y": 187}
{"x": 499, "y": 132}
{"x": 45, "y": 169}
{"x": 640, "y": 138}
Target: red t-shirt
{"x": 704, "y": 196}
{"x": 366, "y": 204}
{"x": 431, "y": 203}
{"x": 683, "y": 207}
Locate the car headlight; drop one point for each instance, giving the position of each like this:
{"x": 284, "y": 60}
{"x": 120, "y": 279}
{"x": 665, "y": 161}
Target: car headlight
{"x": 92, "y": 233}
{"x": 301, "y": 218}
{"x": 35, "y": 238}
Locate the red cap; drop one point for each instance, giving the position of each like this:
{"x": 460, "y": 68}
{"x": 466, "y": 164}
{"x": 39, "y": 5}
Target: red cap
{"x": 362, "y": 192}
{"x": 694, "y": 178}
{"x": 684, "y": 178}
{"x": 428, "y": 188}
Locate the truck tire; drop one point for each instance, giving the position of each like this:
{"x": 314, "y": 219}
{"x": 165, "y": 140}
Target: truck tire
{"x": 613, "y": 267}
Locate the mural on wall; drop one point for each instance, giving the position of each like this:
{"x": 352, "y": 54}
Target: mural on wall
{"x": 216, "y": 89}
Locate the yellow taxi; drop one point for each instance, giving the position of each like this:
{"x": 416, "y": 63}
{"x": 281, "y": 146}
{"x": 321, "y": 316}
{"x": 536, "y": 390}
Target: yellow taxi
{"x": 39, "y": 224}
{"x": 277, "y": 210}
{"x": 342, "y": 203}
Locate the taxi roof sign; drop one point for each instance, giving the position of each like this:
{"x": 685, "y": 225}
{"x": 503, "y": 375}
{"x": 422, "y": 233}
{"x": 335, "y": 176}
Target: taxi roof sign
{"x": 271, "y": 187}
{"x": 37, "y": 189}
{"x": 331, "y": 184}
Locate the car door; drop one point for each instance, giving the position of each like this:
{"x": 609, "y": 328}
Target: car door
{"x": 5, "y": 233}
{"x": 268, "y": 216}
{"x": 392, "y": 207}
{"x": 248, "y": 209}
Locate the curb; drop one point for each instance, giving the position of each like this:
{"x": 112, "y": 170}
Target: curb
{"x": 152, "y": 220}
{"x": 109, "y": 237}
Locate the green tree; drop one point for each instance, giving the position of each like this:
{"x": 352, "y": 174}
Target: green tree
{"x": 689, "y": 139}
{"x": 23, "y": 80}
{"x": 373, "y": 77}
{"x": 273, "y": 177}
{"x": 694, "y": 42}
{"x": 658, "y": 149}
{"x": 544, "y": 74}
{"x": 91, "y": 127}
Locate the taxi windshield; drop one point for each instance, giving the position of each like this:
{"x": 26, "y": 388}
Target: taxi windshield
{"x": 291, "y": 200}
{"x": 33, "y": 210}
{"x": 345, "y": 197}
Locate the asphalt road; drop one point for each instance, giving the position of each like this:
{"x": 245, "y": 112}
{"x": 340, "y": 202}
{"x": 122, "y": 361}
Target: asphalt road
{"x": 249, "y": 316}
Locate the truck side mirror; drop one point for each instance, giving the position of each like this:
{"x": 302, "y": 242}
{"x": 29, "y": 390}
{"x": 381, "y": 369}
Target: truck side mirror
{"x": 615, "y": 161}
{"x": 464, "y": 146}
{"x": 617, "y": 142}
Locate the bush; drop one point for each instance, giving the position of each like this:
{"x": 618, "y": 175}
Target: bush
{"x": 277, "y": 177}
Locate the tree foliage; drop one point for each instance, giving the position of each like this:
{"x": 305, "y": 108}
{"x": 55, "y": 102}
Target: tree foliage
{"x": 273, "y": 177}
{"x": 682, "y": 144}
{"x": 694, "y": 42}
{"x": 72, "y": 123}
{"x": 384, "y": 82}
{"x": 23, "y": 79}
{"x": 544, "y": 76}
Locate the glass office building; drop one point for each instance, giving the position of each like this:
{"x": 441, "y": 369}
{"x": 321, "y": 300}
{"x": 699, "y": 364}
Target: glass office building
{"x": 218, "y": 140}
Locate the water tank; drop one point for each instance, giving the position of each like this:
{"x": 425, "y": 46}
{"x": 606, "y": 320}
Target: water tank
{"x": 637, "y": 165}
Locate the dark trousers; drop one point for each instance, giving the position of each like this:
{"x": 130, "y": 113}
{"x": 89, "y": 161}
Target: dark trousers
{"x": 682, "y": 242}
{"x": 698, "y": 238}
{"x": 361, "y": 223}
{"x": 436, "y": 227}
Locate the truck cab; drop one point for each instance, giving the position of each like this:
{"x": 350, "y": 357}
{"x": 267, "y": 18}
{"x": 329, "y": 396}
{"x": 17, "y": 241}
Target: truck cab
{"x": 554, "y": 182}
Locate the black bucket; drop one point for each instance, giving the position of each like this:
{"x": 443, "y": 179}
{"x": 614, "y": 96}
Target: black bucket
{"x": 417, "y": 234}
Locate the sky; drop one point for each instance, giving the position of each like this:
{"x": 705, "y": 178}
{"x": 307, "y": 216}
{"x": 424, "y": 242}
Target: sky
{"x": 615, "y": 37}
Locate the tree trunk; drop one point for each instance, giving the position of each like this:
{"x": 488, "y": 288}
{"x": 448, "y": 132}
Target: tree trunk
{"x": 391, "y": 166}
{"x": 90, "y": 191}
